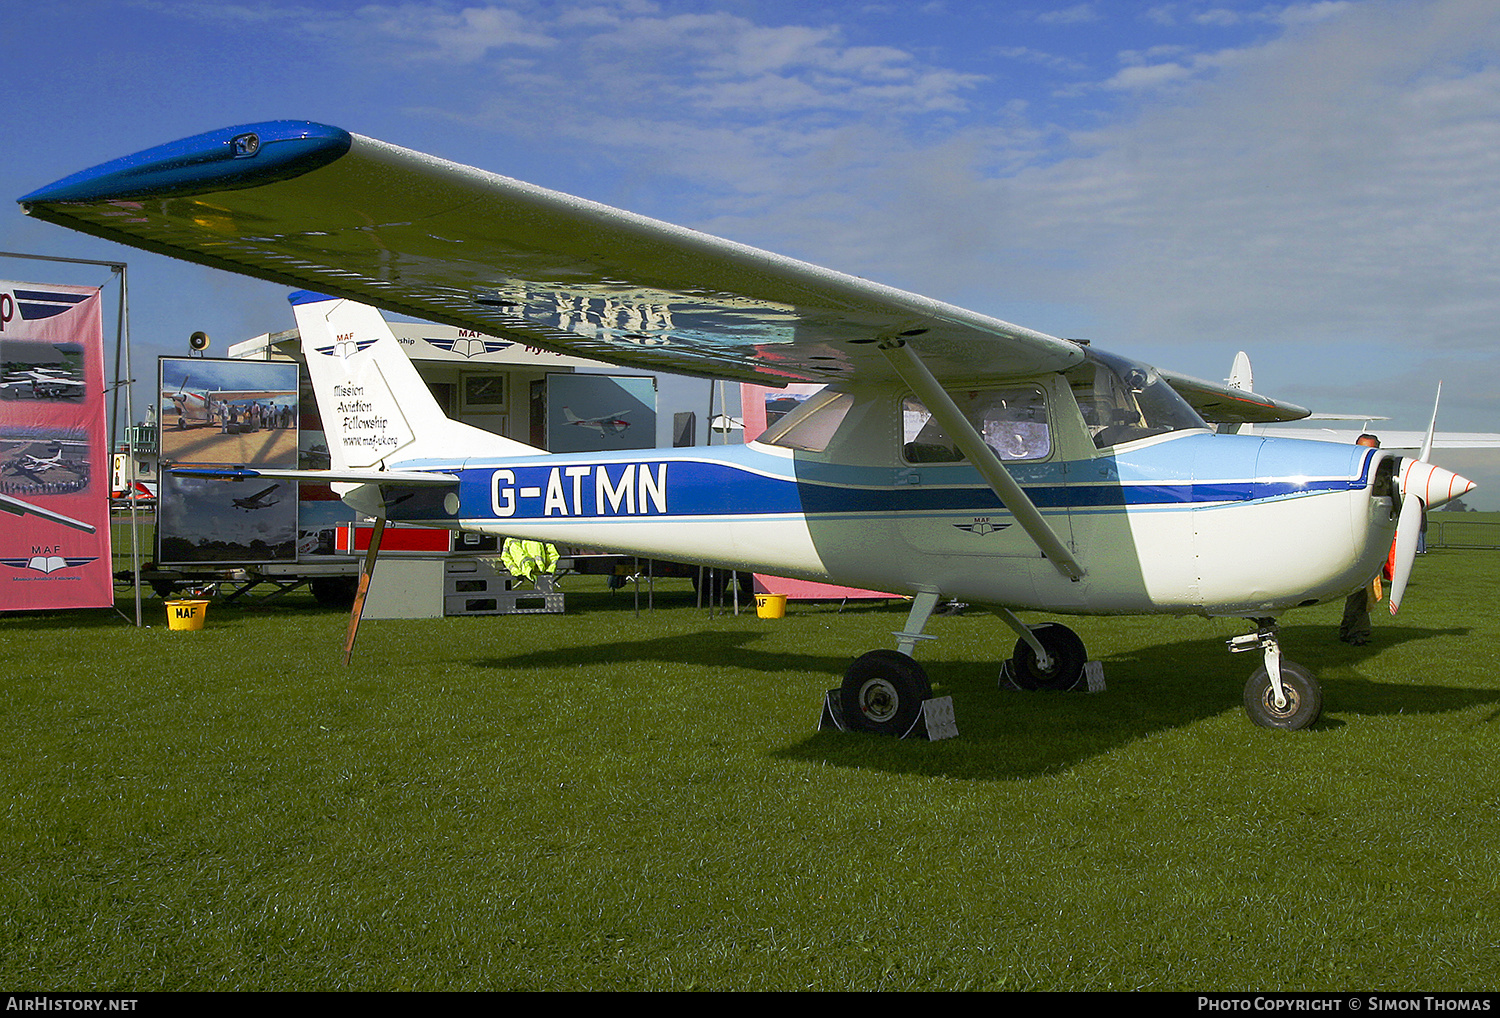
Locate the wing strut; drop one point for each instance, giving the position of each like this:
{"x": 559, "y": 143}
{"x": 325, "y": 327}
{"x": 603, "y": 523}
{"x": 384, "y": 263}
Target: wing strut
{"x": 915, "y": 374}
{"x": 366, "y": 570}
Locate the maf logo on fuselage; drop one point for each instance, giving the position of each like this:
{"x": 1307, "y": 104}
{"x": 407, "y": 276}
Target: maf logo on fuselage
{"x": 982, "y": 526}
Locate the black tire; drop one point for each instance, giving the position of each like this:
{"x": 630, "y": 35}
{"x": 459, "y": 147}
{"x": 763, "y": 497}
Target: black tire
{"x": 1304, "y": 698}
{"x": 1068, "y": 658}
{"x": 883, "y": 693}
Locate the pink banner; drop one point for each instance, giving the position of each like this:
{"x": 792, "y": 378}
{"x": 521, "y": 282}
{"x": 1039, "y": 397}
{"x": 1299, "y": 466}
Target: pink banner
{"x": 54, "y": 455}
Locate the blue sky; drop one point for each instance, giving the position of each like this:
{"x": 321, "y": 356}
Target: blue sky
{"x": 1317, "y": 183}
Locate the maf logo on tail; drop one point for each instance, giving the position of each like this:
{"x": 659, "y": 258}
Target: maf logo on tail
{"x": 345, "y": 346}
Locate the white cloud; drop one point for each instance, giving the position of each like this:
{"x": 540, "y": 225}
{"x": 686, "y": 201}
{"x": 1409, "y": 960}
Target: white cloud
{"x": 1078, "y": 14}
{"x": 1309, "y": 13}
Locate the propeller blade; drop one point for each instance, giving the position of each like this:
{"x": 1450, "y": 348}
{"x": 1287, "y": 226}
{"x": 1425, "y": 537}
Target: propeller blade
{"x": 1432, "y": 426}
{"x": 1423, "y": 487}
{"x": 1408, "y": 527}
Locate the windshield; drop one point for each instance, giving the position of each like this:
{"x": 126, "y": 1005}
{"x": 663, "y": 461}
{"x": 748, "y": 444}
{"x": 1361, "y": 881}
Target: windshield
{"x": 1122, "y": 401}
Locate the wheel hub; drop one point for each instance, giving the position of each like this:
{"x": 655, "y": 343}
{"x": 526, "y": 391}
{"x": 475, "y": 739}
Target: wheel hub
{"x": 878, "y": 700}
{"x": 1286, "y": 709}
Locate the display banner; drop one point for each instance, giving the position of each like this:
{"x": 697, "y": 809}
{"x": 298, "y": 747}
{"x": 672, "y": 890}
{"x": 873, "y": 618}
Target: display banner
{"x": 54, "y": 449}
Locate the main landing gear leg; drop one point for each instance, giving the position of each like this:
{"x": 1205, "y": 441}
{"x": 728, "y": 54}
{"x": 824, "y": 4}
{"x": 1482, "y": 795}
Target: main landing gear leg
{"x": 1280, "y": 693}
{"x": 1047, "y": 656}
{"x": 922, "y": 607}
{"x": 884, "y": 689}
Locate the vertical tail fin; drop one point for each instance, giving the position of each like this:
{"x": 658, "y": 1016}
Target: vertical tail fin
{"x": 376, "y": 409}
{"x": 1239, "y": 378}
{"x": 1239, "y": 373}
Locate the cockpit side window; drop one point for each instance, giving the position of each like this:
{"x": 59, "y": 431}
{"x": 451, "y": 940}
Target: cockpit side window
{"x": 1012, "y": 421}
{"x": 1122, "y": 401}
{"x": 810, "y": 426}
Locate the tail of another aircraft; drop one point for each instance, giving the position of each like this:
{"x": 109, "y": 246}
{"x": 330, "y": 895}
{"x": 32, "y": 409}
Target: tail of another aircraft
{"x": 376, "y": 410}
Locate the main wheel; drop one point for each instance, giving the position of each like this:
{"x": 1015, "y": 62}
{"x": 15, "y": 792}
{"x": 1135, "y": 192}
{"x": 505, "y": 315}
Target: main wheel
{"x": 1064, "y": 648}
{"x": 883, "y": 692}
{"x": 1304, "y": 698}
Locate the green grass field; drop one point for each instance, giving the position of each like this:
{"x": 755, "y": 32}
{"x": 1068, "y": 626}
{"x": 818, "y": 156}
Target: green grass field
{"x": 606, "y": 800}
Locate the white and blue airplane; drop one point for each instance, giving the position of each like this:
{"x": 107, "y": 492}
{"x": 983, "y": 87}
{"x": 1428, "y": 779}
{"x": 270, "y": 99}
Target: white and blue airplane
{"x": 951, "y": 455}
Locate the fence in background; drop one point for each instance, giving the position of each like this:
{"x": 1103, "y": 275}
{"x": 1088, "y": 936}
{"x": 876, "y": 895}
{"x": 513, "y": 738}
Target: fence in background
{"x": 1463, "y": 530}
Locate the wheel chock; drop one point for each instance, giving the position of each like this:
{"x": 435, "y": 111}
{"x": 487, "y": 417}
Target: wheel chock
{"x": 1090, "y": 679}
{"x": 935, "y": 722}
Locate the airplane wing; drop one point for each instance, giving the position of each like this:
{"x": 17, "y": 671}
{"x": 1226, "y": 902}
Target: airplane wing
{"x": 227, "y": 395}
{"x": 1217, "y": 403}
{"x": 20, "y": 507}
{"x": 1393, "y": 439}
{"x": 316, "y": 207}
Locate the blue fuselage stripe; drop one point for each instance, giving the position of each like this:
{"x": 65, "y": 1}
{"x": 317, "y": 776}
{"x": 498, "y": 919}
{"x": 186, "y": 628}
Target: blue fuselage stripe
{"x": 569, "y": 487}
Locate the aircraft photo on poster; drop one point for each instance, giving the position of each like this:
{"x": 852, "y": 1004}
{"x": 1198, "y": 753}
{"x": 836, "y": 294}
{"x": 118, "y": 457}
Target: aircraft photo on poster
{"x": 224, "y": 411}
{"x": 587, "y": 413}
{"x": 209, "y": 520}
{"x": 41, "y": 371}
{"x": 217, "y": 412}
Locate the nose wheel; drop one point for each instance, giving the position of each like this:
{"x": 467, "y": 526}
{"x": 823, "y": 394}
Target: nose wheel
{"x": 1280, "y": 693}
{"x": 1299, "y": 706}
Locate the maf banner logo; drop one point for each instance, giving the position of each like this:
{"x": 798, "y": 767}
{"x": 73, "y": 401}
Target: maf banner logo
{"x": 35, "y": 305}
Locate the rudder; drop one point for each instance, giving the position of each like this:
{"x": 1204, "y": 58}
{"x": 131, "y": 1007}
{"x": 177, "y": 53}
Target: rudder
{"x": 376, "y": 409}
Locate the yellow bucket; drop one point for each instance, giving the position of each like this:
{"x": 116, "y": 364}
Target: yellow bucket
{"x": 186, "y": 614}
{"x": 770, "y": 606}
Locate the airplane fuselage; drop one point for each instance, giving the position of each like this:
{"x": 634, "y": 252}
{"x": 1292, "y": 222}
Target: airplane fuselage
{"x": 1187, "y": 523}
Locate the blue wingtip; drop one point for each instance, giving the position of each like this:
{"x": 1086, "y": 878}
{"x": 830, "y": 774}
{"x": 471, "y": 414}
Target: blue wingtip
{"x": 300, "y": 297}
{"x": 227, "y": 158}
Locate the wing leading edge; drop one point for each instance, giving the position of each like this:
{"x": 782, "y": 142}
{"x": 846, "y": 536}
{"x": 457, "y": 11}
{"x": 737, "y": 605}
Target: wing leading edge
{"x": 312, "y": 206}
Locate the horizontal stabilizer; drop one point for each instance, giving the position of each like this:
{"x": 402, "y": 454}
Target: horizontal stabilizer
{"x": 406, "y": 478}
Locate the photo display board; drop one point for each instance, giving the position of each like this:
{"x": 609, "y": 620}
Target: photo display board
{"x": 589, "y": 413}
{"x": 54, "y": 449}
{"x": 227, "y": 413}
